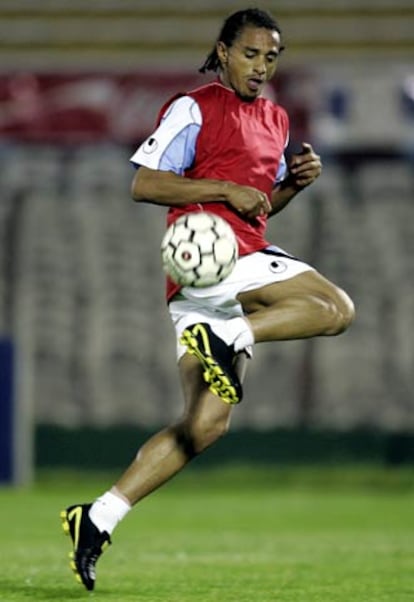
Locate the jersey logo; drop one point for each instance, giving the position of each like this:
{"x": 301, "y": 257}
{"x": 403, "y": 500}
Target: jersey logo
{"x": 150, "y": 146}
{"x": 277, "y": 267}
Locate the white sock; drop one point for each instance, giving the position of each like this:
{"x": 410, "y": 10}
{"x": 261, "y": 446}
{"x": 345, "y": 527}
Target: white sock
{"x": 244, "y": 340}
{"x": 238, "y": 333}
{"x": 107, "y": 511}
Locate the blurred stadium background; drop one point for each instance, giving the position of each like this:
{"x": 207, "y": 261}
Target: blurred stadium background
{"x": 87, "y": 349}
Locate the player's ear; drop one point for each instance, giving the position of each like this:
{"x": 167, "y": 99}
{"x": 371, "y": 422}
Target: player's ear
{"x": 222, "y": 52}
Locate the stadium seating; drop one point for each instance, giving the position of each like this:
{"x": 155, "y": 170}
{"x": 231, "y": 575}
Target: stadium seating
{"x": 144, "y": 34}
{"x": 85, "y": 296}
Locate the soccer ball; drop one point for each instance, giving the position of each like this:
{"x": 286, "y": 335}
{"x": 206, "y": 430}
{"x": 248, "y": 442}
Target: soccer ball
{"x": 199, "y": 249}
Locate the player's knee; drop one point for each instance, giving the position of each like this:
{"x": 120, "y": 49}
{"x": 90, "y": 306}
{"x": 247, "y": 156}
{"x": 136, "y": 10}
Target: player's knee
{"x": 340, "y": 313}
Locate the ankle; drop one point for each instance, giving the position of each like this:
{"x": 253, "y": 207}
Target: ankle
{"x": 108, "y": 510}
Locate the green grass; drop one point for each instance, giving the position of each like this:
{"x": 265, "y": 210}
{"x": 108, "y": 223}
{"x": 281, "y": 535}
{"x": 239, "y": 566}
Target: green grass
{"x": 240, "y": 535}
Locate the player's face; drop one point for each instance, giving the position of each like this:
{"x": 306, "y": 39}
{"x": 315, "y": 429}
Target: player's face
{"x": 250, "y": 62}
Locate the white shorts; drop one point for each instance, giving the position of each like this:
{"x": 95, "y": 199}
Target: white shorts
{"x": 217, "y": 304}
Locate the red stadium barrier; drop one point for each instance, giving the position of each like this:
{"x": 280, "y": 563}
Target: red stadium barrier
{"x": 122, "y": 108}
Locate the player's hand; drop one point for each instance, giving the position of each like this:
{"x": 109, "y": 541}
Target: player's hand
{"x": 304, "y": 167}
{"x": 248, "y": 201}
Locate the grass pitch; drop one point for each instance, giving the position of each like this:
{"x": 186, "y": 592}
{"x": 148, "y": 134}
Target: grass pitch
{"x": 240, "y": 534}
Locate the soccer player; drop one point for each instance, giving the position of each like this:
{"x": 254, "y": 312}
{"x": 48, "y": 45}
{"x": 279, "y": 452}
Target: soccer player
{"x": 220, "y": 148}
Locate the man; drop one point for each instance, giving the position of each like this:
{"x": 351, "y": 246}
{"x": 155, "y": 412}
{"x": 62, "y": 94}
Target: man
{"x": 220, "y": 148}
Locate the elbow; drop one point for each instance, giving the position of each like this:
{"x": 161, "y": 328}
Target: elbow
{"x": 144, "y": 187}
{"x": 136, "y": 188}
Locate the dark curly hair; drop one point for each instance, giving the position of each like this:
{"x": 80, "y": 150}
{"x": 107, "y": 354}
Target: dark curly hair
{"x": 231, "y": 29}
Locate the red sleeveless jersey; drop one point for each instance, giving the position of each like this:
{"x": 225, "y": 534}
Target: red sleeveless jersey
{"x": 241, "y": 142}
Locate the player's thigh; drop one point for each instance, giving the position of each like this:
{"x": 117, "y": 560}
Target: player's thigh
{"x": 306, "y": 284}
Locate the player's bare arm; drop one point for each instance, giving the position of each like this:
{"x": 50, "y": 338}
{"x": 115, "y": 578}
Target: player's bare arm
{"x": 304, "y": 168}
{"x": 167, "y": 188}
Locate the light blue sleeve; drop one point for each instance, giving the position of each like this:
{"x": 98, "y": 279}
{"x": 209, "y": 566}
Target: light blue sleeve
{"x": 172, "y": 146}
{"x": 281, "y": 170}
{"x": 179, "y": 154}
